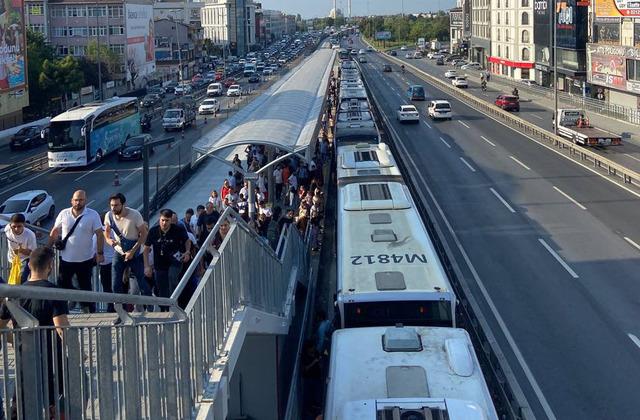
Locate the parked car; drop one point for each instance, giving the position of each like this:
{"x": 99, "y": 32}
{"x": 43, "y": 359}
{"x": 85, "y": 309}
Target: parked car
{"x": 133, "y": 147}
{"x": 472, "y": 66}
{"x": 386, "y": 68}
{"x": 36, "y": 205}
{"x": 234, "y": 90}
{"x": 407, "y": 113}
{"x": 209, "y": 106}
{"x": 439, "y": 109}
{"x": 508, "y": 102}
{"x": 416, "y": 93}
{"x": 529, "y": 82}
{"x": 460, "y": 81}
{"x": 27, "y": 137}
{"x": 450, "y": 74}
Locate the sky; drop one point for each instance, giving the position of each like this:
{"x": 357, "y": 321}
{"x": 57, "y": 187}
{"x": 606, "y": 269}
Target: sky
{"x": 320, "y": 8}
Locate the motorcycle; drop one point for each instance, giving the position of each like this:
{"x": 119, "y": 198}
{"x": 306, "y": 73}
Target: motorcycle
{"x": 145, "y": 123}
{"x": 515, "y": 93}
{"x": 484, "y": 85}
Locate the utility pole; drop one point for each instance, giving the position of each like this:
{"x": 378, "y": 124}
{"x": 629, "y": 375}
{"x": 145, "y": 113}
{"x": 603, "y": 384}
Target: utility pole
{"x": 98, "y": 11}
{"x": 179, "y": 52}
{"x": 555, "y": 67}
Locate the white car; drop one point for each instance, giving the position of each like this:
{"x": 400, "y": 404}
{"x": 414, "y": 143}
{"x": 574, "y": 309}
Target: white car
{"x": 460, "y": 81}
{"x": 417, "y": 55}
{"x": 451, "y": 74}
{"x": 179, "y": 90}
{"x": 36, "y": 205}
{"x": 362, "y": 59}
{"x": 408, "y": 56}
{"x": 439, "y": 109}
{"x": 209, "y": 106}
{"x": 361, "y": 52}
{"x": 267, "y": 71}
{"x": 214, "y": 89}
{"x": 408, "y": 113}
{"x": 234, "y": 90}
{"x": 403, "y": 48}
{"x": 472, "y": 66}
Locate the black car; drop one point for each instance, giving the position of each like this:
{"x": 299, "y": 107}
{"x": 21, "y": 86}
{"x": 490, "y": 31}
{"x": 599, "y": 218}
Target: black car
{"x": 27, "y": 137}
{"x": 156, "y": 90}
{"x": 132, "y": 147}
{"x": 254, "y": 78}
{"x": 171, "y": 87}
{"x": 393, "y": 53}
{"x": 150, "y": 100}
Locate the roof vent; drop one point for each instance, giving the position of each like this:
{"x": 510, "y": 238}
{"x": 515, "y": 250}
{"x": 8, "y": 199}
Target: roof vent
{"x": 379, "y": 218}
{"x": 383, "y": 235}
{"x": 403, "y": 339}
{"x": 390, "y": 280}
{"x": 460, "y": 359}
{"x": 364, "y": 172}
{"x": 367, "y": 156}
{"x": 406, "y": 382}
{"x": 375, "y": 192}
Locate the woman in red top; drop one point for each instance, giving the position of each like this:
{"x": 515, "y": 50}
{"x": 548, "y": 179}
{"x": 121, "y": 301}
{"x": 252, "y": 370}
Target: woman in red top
{"x": 225, "y": 190}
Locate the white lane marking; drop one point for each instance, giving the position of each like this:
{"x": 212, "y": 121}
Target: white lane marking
{"x": 569, "y": 198}
{"x": 635, "y": 339}
{"x": 27, "y": 180}
{"x": 445, "y": 142}
{"x": 632, "y": 242}
{"x": 426, "y": 123}
{"x": 537, "y": 116}
{"x": 87, "y": 173}
{"x": 502, "y": 200}
{"x": 559, "y": 259}
{"x": 132, "y": 172}
{"x": 520, "y": 163}
{"x": 467, "y": 163}
{"x": 485, "y": 293}
{"x": 487, "y": 140}
{"x": 632, "y": 157}
{"x": 463, "y": 124}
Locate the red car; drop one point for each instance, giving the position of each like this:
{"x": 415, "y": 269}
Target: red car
{"x": 508, "y": 103}
{"x": 219, "y": 77}
{"x": 230, "y": 81}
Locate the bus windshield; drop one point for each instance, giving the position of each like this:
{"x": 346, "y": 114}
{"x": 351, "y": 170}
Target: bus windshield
{"x": 415, "y": 312}
{"x": 66, "y": 135}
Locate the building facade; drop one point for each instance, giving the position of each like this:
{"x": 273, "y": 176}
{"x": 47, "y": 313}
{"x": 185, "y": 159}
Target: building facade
{"x": 177, "y": 50}
{"x": 456, "y": 29}
{"x": 14, "y": 94}
{"x": 273, "y": 24}
{"x": 230, "y": 23}
{"x": 512, "y": 43}
{"x": 613, "y": 55}
{"x": 480, "y": 32}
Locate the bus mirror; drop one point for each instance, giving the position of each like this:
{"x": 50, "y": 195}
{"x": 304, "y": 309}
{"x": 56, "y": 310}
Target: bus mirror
{"x": 83, "y": 131}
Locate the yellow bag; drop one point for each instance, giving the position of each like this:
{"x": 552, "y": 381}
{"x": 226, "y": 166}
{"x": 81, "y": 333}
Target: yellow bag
{"x": 16, "y": 270}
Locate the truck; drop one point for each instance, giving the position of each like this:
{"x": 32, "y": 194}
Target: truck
{"x": 421, "y": 43}
{"x": 180, "y": 116}
{"x": 435, "y": 45}
{"x": 574, "y": 125}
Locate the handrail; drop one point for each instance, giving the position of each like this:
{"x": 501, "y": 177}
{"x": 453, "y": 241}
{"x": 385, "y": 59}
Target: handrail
{"x": 628, "y": 176}
{"x": 23, "y": 167}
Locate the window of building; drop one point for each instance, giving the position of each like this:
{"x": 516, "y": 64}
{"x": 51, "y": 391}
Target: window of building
{"x": 499, "y": 52}
{"x": 77, "y": 50}
{"x": 37, "y": 27}
{"x": 78, "y": 31}
{"x": 506, "y": 4}
{"x": 498, "y": 18}
{"x": 525, "y": 18}
{"x": 633, "y": 70}
{"x": 506, "y": 18}
{"x": 97, "y": 11}
{"x": 506, "y": 52}
{"x": 498, "y": 4}
{"x": 524, "y": 74}
{"x": 60, "y": 31}
{"x": 98, "y": 30}
{"x": 116, "y": 11}
{"x": 58, "y": 12}
{"x": 525, "y": 54}
{"x": 76, "y": 11}
{"x": 116, "y": 30}
{"x": 35, "y": 9}
{"x": 62, "y": 50}
{"x": 525, "y": 3}
{"x": 525, "y": 36}
{"x": 117, "y": 48}
{"x": 498, "y": 33}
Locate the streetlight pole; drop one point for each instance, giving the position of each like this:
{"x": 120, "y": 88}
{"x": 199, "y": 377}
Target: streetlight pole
{"x": 555, "y": 68}
{"x": 179, "y": 53}
{"x": 98, "y": 10}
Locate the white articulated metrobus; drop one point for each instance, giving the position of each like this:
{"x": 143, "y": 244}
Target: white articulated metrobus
{"x": 356, "y": 162}
{"x": 87, "y": 133}
{"x": 402, "y": 373}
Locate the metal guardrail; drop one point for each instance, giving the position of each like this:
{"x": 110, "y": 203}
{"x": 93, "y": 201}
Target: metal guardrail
{"x": 24, "y": 168}
{"x": 573, "y": 151}
{"x": 152, "y": 365}
{"x": 506, "y": 392}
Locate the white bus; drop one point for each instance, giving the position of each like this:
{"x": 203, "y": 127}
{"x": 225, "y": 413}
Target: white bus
{"x": 364, "y": 161}
{"x": 87, "y": 133}
{"x": 388, "y": 270}
{"x": 405, "y": 373}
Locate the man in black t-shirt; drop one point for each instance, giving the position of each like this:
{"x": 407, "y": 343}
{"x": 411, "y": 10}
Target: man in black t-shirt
{"x": 208, "y": 216}
{"x": 171, "y": 248}
{"x": 49, "y": 313}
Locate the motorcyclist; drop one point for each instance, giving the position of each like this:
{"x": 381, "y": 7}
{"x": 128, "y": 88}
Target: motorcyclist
{"x": 402, "y": 67}
{"x": 515, "y": 92}
{"x": 483, "y": 83}
{"x": 145, "y": 122}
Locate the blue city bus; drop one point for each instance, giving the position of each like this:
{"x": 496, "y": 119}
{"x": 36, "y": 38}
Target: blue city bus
{"x": 87, "y": 133}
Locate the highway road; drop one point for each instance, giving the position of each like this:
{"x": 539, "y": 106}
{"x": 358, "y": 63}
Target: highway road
{"x": 98, "y": 179}
{"x": 549, "y": 248}
{"x": 535, "y": 110}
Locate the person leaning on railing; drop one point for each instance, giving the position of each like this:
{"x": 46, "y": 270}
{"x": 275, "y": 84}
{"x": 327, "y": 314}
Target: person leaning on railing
{"x": 21, "y": 241}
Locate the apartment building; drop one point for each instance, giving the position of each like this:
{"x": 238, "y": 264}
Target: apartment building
{"x": 274, "y": 24}
{"x": 512, "y": 45}
{"x": 480, "y": 32}
{"x": 456, "y": 29}
{"x": 230, "y": 23}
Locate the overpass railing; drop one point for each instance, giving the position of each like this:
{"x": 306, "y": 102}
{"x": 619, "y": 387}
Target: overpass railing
{"x": 148, "y": 365}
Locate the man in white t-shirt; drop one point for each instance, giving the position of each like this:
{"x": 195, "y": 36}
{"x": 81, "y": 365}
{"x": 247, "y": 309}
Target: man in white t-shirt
{"x": 21, "y": 242}
{"x": 78, "y": 257}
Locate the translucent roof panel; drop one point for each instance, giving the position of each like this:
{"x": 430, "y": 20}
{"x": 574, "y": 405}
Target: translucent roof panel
{"x": 284, "y": 116}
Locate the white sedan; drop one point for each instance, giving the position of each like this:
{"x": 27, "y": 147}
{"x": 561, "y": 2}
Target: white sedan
{"x": 451, "y": 74}
{"x": 36, "y": 205}
{"x": 209, "y": 106}
{"x": 408, "y": 56}
{"x": 234, "y": 90}
{"x": 460, "y": 81}
{"x": 408, "y": 113}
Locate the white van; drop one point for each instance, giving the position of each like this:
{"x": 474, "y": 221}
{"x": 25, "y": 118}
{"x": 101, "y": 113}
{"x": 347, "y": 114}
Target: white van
{"x": 214, "y": 89}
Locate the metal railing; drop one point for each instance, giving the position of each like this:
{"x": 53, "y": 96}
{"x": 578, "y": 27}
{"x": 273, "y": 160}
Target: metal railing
{"x": 24, "y": 168}
{"x": 153, "y": 365}
{"x": 573, "y": 151}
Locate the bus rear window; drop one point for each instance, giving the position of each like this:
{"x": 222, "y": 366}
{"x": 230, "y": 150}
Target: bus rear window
{"x": 415, "y": 313}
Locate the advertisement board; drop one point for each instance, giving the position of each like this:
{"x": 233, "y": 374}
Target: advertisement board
{"x": 140, "y": 41}
{"x": 617, "y": 8}
{"x": 456, "y": 18}
{"x": 542, "y": 30}
{"x": 12, "y": 46}
{"x": 608, "y": 70}
{"x": 383, "y": 35}
{"x": 571, "y": 24}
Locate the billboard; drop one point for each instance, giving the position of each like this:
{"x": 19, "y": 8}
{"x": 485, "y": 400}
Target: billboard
{"x": 617, "y": 8}
{"x": 140, "y": 41}
{"x": 608, "y": 66}
{"x": 383, "y": 35}
{"x": 456, "y": 17}
{"x": 12, "y": 46}
{"x": 571, "y": 24}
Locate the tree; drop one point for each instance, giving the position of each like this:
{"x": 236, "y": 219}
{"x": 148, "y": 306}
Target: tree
{"x": 109, "y": 59}
{"x": 61, "y": 77}
{"x": 38, "y": 52}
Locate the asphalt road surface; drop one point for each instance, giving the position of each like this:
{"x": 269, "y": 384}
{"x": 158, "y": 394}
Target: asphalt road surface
{"x": 548, "y": 247}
